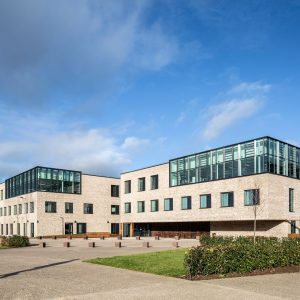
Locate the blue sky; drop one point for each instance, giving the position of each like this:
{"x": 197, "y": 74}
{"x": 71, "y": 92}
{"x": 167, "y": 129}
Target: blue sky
{"x": 110, "y": 86}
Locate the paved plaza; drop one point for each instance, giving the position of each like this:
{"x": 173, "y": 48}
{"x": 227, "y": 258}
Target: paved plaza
{"x": 58, "y": 272}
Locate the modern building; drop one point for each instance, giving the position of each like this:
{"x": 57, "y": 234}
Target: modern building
{"x": 219, "y": 191}
{"x": 216, "y": 191}
{"x": 46, "y": 201}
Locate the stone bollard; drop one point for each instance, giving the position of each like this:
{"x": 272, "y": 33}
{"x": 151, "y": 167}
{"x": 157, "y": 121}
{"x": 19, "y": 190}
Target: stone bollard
{"x": 176, "y": 237}
{"x": 138, "y": 237}
{"x": 40, "y": 237}
{"x": 118, "y": 244}
{"x": 92, "y": 244}
{"x": 86, "y": 238}
{"x": 67, "y": 244}
{"x": 43, "y": 245}
{"x": 157, "y": 237}
{"x": 119, "y": 237}
{"x": 70, "y": 237}
{"x": 102, "y": 238}
{"x": 146, "y": 244}
{"x": 175, "y": 244}
{"x": 55, "y": 237}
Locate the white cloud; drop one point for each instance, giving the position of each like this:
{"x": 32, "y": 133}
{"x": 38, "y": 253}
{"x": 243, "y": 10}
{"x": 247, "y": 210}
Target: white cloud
{"x": 133, "y": 143}
{"x": 226, "y": 114}
{"x": 250, "y": 87}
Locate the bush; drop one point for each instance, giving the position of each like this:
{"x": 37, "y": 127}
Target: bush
{"x": 15, "y": 241}
{"x": 222, "y": 255}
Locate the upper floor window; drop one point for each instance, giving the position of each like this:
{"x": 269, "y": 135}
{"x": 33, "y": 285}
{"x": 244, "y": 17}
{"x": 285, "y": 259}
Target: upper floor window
{"x": 168, "y": 204}
{"x": 15, "y": 209}
{"x": 154, "y": 205}
{"x": 127, "y": 186}
{"x": 154, "y": 182}
{"x": 251, "y": 197}
{"x": 1, "y": 195}
{"x": 31, "y": 207}
{"x": 141, "y": 206}
{"x": 88, "y": 208}
{"x": 9, "y": 210}
{"x": 25, "y": 208}
{"x": 20, "y": 209}
{"x": 141, "y": 184}
{"x": 186, "y": 202}
{"x": 68, "y": 207}
{"x": 115, "y": 209}
{"x": 50, "y": 206}
{"x": 0, "y": 211}
{"x": 227, "y": 199}
{"x": 205, "y": 201}
{"x": 127, "y": 207}
{"x": 4, "y": 211}
{"x": 114, "y": 191}
{"x": 291, "y": 200}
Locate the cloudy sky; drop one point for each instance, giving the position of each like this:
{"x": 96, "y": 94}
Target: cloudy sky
{"x": 110, "y": 86}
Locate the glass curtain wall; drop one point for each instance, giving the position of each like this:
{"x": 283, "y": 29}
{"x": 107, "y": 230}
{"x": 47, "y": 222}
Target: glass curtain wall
{"x": 44, "y": 180}
{"x": 265, "y": 155}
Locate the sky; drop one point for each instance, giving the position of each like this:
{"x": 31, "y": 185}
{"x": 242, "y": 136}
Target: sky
{"x": 106, "y": 87}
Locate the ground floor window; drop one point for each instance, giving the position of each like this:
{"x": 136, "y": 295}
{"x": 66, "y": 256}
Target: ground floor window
{"x": 68, "y": 228}
{"x": 293, "y": 227}
{"x": 11, "y": 229}
{"x": 81, "y": 228}
{"x": 114, "y": 228}
{"x": 32, "y": 229}
{"x": 18, "y": 229}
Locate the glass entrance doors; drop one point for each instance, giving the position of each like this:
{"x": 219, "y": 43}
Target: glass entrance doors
{"x": 68, "y": 228}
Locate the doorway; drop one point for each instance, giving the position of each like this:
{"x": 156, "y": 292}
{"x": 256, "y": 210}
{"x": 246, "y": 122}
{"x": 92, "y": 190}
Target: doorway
{"x": 68, "y": 228}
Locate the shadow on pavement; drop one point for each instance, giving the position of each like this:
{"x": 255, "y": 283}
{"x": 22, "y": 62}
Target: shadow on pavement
{"x": 37, "y": 268}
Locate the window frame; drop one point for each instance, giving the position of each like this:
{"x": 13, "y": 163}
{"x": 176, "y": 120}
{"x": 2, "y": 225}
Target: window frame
{"x": 156, "y": 207}
{"x": 208, "y": 201}
{"x": 171, "y": 204}
{"x": 189, "y": 202}
{"x": 230, "y": 200}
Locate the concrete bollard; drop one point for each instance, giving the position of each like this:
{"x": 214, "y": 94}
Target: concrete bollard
{"x": 43, "y": 245}
{"x": 119, "y": 237}
{"x": 102, "y": 238}
{"x": 176, "y": 237}
{"x": 146, "y": 244}
{"x": 67, "y": 244}
{"x": 55, "y": 237}
{"x": 118, "y": 244}
{"x": 86, "y": 238}
{"x": 157, "y": 237}
{"x": 175, "y": 244}
{"x": 138, "y": 237}
{"x": 70, "y": 237}
{"x": 92, "y": 244}
{"x": 40, "y": 237}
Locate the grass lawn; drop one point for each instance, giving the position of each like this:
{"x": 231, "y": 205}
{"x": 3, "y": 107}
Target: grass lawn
{"x": 167, "y": 263}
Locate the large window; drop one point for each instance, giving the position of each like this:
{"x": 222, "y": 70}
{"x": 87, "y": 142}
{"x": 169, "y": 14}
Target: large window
{"x": 68, "y": 207}
{"x": 50, "y": 206}
{"x": 43, "y": 180}
{"x": 293, "y": 227}
{"x": 168, "y": 204}
{"x": 186, "y": 202}
{"x": 115, "y": 191}
{"x": 15, "y": 209}
{"x": 127, "y": 186}
{"x": 81, "y": 228}
{"x": 141, "y": 184}
{"x": 25, "y": 208}
{"x": 115, "y": 210}
{"x": 291, "y": 200}
{"x": 88, "y": 208}
{"x": 141, "y": 206}
{"x": 252, "y": 197}
{"x": 114, "y": 228}
{"x": 154, "y": 205}
{"x": 127, "y": 207}
{"x": 227, "y": 199}
{"x": 31, "y": 207}
{"x": 205, "y": 201}
{"x": 265, "y": 155}
{"x": 154, "y": 182}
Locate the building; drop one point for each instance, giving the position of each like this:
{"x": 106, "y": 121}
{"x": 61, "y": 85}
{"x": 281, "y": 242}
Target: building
{"x": 46, "y": 201}
{"x": 217, "y": 191}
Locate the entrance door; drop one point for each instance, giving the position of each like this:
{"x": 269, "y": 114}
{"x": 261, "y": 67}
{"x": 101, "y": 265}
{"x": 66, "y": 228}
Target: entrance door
{"x": 126, "y": 229}
{"x": 68, "y": 228}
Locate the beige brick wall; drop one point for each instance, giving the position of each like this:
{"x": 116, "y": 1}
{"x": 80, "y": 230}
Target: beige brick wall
{"x": 274, "y": 192}
{"x": 95, "y": 190}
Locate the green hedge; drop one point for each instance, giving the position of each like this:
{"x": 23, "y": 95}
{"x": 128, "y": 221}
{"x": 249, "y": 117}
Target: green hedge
{"x": 222, "y": 255}
{"x": 14, "y": 241}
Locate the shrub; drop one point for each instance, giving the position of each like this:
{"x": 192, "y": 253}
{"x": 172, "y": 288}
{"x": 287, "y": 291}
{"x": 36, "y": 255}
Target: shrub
{"x": 15, "y": 241}
{"x": 222, "y": 255}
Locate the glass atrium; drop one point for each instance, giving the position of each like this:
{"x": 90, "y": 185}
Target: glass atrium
{"x": 263, "y": 155}
{"x": 43, "y": 180}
